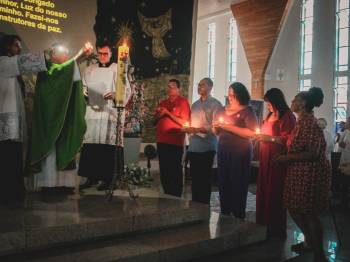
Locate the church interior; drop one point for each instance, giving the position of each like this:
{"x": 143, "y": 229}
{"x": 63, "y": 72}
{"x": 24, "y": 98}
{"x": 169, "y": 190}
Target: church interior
{"x": 174, "y": 130}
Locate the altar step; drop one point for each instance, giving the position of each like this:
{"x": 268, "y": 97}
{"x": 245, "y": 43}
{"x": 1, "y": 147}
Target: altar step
{"x": 60, "y": 220}
{"x": 177, "y": 244}
{"x": 154, "y": 227}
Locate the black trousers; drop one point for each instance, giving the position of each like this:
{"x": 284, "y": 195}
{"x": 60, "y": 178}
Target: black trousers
{"x": 201, "y": 172}
{"x": 170, "y": 166}
{"x": 97, "y": 162}
{"x": 12, "y": 180}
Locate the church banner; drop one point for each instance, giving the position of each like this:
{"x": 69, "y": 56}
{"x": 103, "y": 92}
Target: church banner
{"x": 160, "y": 33}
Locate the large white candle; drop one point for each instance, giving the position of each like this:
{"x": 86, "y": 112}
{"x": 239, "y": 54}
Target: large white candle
{"x": 123, "y": 55}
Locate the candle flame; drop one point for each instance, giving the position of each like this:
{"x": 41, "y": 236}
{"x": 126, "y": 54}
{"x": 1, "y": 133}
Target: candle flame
{"x": 123, "y": 50}
{"x": 186, "y": 124}
{"x": 257, "y": 131}
{"x": 221, "y": 120}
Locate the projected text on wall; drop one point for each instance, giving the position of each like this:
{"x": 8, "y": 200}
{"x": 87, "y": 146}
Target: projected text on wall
{"x": 38, "y": 14}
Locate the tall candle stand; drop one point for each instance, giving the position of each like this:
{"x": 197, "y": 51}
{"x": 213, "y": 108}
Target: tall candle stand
{"x": 121, "y": 81}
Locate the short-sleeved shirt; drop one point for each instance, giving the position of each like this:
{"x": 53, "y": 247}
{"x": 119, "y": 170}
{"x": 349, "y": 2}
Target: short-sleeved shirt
{"x": 168, "y": 131}
{"x": 244, "y": 118}
{"x": 202, "y": 115}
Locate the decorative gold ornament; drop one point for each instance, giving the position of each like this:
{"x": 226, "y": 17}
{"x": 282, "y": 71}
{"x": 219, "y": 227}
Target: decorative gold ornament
{"x": 157, "y": 27}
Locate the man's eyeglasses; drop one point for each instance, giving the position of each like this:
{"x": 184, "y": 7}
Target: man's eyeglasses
{"x": 102, "y": 53}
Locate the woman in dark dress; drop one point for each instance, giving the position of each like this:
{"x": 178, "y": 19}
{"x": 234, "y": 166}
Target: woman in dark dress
{"x": 235, "y": 127}
{"x": 275, "y": 131}
{"x": 307, "y": 182}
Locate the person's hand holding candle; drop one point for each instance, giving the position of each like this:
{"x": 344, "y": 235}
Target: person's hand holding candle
{"x": 186, "y": 128}
{"x": 88, "y": 48}
{"x": 84, "y": 52}
{"x": 262, "y": 137}
{"x": 218, "y": 124}
{"x": 162, "y": 111}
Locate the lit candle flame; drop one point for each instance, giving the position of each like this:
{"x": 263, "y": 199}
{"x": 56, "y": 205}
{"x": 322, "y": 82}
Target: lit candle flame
{"x": 221, "y": 120}
{"x": 123, "y": 50}
{"x": 186, "y": 124}
{"x": 257, "y": 131}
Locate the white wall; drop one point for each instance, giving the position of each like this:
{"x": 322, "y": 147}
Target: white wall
{"x": 286, "y": 56}
{"x": 219, "y": 12}
{"x": 211, "y": 7}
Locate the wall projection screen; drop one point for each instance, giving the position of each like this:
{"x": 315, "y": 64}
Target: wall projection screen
{"x": 41, "y": 23}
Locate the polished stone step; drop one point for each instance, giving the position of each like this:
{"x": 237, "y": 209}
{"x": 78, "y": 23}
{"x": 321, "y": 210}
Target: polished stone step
{"x": 55, "y": 220}
{"x": 176, "y": 244}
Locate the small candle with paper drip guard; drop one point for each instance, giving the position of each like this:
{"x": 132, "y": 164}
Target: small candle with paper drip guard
{"x": 123, "y": 54}
{"x": 185, "y": 127}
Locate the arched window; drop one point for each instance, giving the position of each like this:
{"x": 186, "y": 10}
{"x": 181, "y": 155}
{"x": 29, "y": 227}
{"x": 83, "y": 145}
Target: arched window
{"x": 232, "y": 51}
{"x": 211, "y": 50}
{"x": 341, "y": 61}
{"x": 306, "y": 36}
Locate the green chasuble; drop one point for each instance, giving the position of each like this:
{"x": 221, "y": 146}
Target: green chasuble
{"x": 58, "y": 115}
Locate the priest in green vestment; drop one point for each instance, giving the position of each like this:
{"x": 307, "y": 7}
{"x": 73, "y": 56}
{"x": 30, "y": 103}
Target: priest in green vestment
{"x": 58, "y": 123}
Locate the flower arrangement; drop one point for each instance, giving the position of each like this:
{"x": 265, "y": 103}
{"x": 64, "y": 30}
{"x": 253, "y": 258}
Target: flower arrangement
{"x": 135, "y": 111}
{"x": 134, "y": 176}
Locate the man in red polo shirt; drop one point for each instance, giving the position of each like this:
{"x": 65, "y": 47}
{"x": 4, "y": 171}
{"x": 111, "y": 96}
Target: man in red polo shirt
{"x": 171, "y": 114}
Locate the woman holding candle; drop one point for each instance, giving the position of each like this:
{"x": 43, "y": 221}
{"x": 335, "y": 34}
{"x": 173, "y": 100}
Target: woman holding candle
{"x": 275, "y": 130}
{"x": 235, "y": 127}
{"x": 307, "y": 182}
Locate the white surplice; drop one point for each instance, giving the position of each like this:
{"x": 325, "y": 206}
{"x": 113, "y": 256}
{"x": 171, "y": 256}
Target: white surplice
{"x": 101, "y": 115}
{"x": 12, "y": 111}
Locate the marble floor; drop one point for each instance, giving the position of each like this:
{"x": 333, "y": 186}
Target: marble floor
{"x": 277, "y": 250}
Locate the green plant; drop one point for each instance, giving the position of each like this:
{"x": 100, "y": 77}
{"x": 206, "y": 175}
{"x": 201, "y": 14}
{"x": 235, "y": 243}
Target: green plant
{"x": 134, "y": 176}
